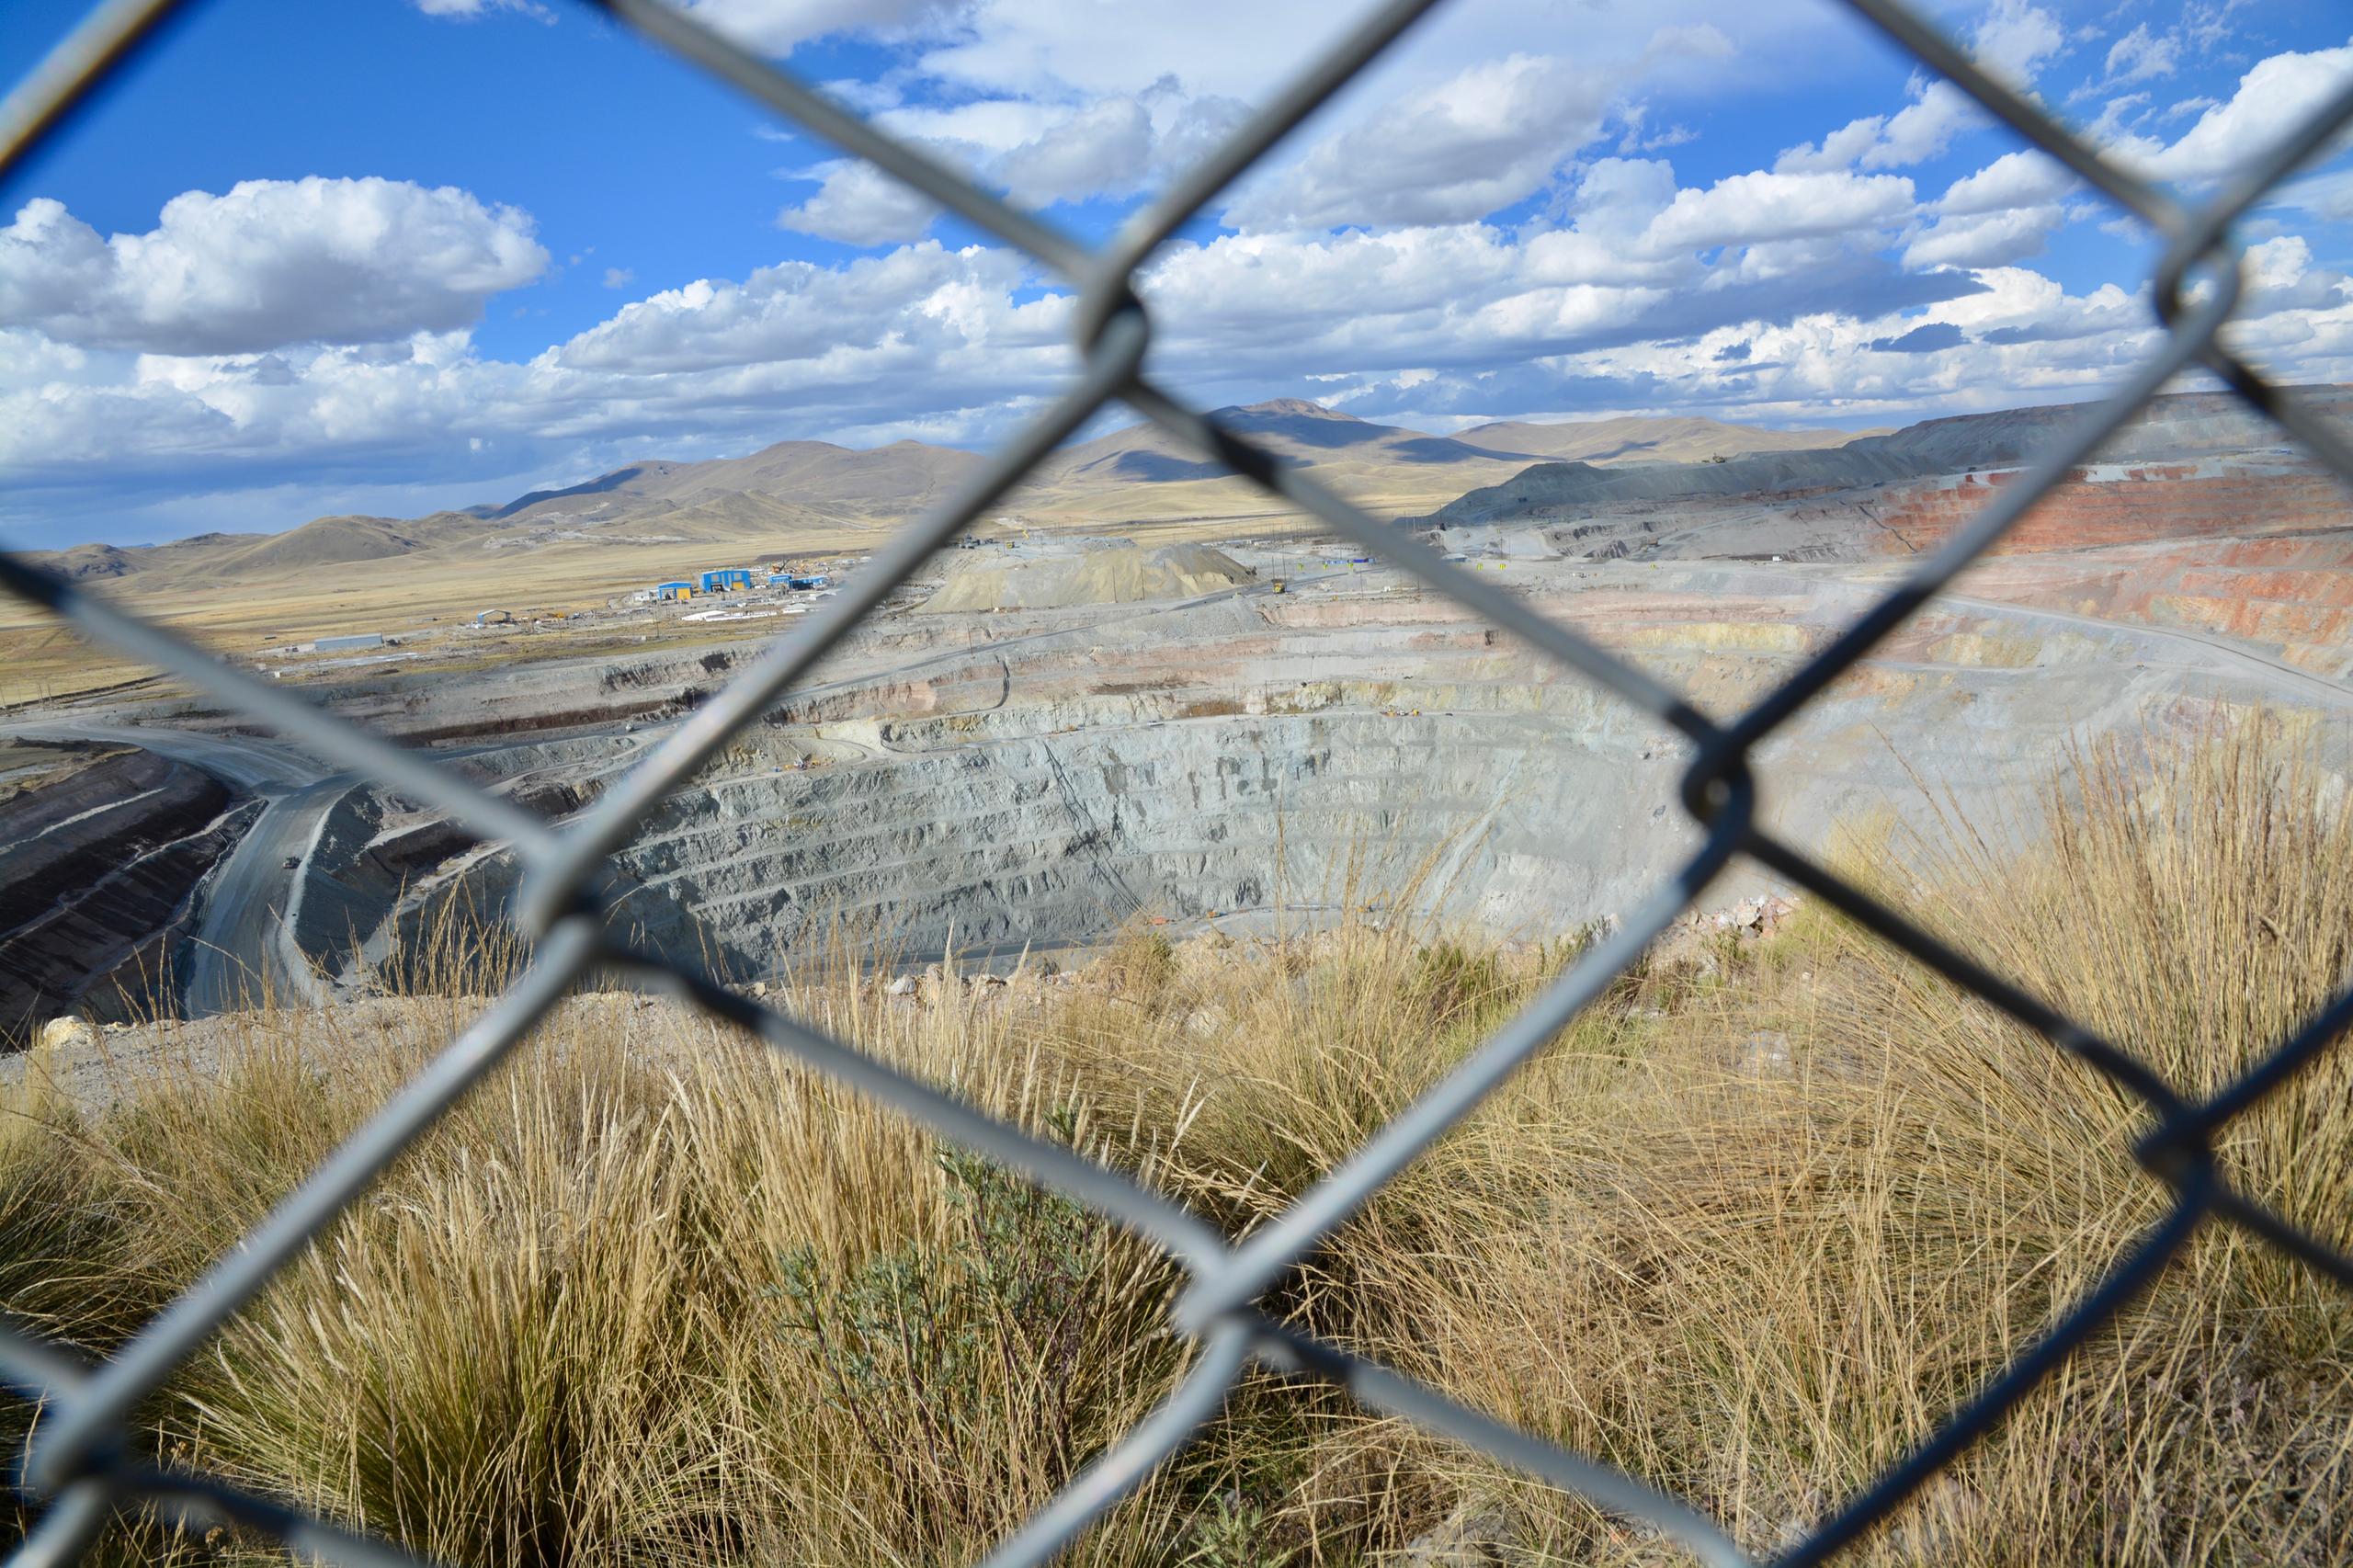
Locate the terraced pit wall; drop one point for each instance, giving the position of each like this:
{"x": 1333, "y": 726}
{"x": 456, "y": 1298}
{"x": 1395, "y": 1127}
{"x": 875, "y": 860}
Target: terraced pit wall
{"x": 99, "y": 874}
{"x": 1238, "y": 758}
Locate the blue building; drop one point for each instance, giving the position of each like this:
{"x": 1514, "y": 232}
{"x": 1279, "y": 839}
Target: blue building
{"x": 678, "y": 590}
{"x": 726, "y": 579}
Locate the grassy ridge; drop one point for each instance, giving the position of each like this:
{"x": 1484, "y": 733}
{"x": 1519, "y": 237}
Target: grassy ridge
{"x": 1747, "y": 1230}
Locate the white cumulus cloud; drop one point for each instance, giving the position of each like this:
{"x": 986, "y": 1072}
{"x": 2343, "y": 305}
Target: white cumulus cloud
{"x": 2024, "y": 179}
{"x": 1751, "y": 209}
{"x": 2017, "y": 38}
{"x": 1988, "y": 239}
{"x": 1107, "y": 146}
{"x": 1480, "y": 141}
{"x": 917, "y": 300}
{"x": 469, "y": 9}
{"x": 776, "y": 26}
{"x": 2272, "y": 99}
{"x": 1922, "y": 129}
{"x": 271, "y": 263}
{"x": 2142, "y": 55}
{"x": 860, "y": 205}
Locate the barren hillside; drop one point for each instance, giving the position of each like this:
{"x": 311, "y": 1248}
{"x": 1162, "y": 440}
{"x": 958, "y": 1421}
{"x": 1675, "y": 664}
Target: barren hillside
{"x": 799, "y": 494}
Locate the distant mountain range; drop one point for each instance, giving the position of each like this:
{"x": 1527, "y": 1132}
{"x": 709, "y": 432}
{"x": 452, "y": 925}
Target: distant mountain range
{"x": 2174, "y": 428}
{"x": 763, "y": 500}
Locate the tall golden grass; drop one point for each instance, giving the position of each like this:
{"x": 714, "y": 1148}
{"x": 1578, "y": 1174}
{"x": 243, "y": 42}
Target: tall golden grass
{"x": 1747, "y": 1230}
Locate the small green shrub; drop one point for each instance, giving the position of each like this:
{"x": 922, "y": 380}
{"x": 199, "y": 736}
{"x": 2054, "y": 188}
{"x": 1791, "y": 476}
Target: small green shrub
{"x": 1235, "y": 1531}
{"x": 1140, "y": 964}
{"x": 1453, "y": 985}
{"x": 937, "y": 1351}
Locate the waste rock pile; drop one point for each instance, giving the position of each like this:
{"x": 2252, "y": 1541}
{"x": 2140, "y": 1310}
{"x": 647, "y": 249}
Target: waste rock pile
{"x": 1084, "y": 571}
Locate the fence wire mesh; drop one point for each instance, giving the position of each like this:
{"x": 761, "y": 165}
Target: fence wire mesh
{"x": 79, "y": 1464}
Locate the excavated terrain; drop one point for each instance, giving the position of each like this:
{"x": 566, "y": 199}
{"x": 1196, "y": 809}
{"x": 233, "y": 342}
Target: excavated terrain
{"x": 1305, "y": 730}
{"x": 98, "y": 869}
{"x": 2198, "y": 515}
{"x": 1249, "y": 758}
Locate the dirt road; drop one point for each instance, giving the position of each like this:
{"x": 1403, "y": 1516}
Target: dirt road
{"x": 241, "y": 950}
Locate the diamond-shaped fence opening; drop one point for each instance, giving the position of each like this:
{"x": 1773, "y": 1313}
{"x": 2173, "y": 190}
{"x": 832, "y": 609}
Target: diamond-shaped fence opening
{"x": 78, "y": 1464}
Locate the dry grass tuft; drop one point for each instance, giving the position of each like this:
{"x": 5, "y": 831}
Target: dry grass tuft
{"x": 1748, "y": 1229}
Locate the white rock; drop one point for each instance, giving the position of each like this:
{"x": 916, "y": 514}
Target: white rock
{"x": 67, "y": 1030}
{"x": 1473, "y": 1537}
{"x": 1765, "y": 1054}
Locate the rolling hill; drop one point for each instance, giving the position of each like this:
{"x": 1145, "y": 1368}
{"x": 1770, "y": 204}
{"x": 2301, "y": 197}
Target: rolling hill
{"x": 883, "y": 483}
{"x": 763, "y": 500}
{"x": 1140, "y": 473}
{"x": 2189, "y": 466}
{"x": 1642, "y": 439}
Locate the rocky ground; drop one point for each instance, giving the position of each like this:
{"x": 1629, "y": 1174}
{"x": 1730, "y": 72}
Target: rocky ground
{"x": 1030, "y": 748}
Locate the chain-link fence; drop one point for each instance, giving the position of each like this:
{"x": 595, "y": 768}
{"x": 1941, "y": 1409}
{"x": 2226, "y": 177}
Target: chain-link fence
{"x": 80, "y": 1462}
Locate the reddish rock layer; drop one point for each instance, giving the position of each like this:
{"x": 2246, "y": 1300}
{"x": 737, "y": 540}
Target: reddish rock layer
{"x": 2147, "y": 502}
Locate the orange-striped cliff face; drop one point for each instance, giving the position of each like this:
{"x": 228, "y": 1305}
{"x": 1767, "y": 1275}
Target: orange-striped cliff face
{"x": 2290, "y": 594}
{"x": 2194, "y": 464}
{"x": 2123, "y": 504}
{"x": 2198, "y": 516}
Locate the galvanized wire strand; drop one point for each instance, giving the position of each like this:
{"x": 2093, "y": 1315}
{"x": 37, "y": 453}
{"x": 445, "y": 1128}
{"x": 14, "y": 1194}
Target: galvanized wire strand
{"x": 2209, "y": 227}
{"x": 196, "y": 1503}
{"x": 618, "y": 814}
{"x": 2284, "y": 408}
{"x": 2305, "y": 1248}
{"x": 2296, "y": 1052}
{"x": 2177, "y": 1145}
{"x": 77, "y": 1454}
{"x": 1562, "y": 645}
{"x": 1134, "y": 1456}
{"x": 1051, "y": 1165}
{"x": 403, "y": 771}
{"x": 2122, "y": 1068}
{"x": 2206, "y": 227}
{"x": 2020, "y": 1378}
{"x": 66, "y": 1526}
{"x": 34, "y": 1369}
{"x": 1280, "y": 1242}
{"x": 80, "y": 63}
{"x": 731, "y": 63}
{"x": 1198, "y": 185}
{"x": 1389, "y": 1393}
{"x": 1928, "y": 44}
{"x": 192, "y": 1503}
{"x": 88, "y": 1416}
{"x": 2084, "y": 437}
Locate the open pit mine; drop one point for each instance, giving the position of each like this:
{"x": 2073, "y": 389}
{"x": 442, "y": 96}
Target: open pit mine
{"x": 1047, "y": 738}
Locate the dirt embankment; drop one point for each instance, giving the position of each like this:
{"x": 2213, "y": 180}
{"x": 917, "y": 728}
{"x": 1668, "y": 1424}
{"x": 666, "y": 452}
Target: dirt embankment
{"x": 2127, "y": 505}
{"x": 1097, "y": 571}
{"x": 98, "y": 869}
{"x": 378, "y": 875}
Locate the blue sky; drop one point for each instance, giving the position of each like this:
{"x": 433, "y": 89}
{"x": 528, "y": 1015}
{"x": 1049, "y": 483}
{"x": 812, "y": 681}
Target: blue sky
{"x": 444, "y": 251}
